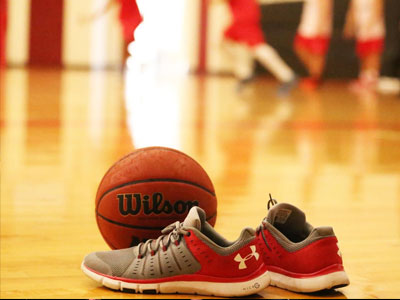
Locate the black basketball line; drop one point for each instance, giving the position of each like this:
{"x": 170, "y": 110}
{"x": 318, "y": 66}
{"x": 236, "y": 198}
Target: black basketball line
{"x": 142, "y": 227}
{"x": 154, "y": 180}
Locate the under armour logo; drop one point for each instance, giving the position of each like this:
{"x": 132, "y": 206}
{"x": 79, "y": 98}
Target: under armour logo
{"x": 242, "y": 261}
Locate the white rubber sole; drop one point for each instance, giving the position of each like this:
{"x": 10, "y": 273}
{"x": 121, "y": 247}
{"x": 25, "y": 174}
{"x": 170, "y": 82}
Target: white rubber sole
{"x": 222, "y": 289}
{"x": 312, "y": 284}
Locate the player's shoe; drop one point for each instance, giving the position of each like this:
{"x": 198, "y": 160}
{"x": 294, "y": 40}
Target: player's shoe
{"x": 366, "y": 82}
{"x": 286, "y": 87}
{"x": 190, "y": 257}
{"x": 389, "y": 85}
{"x": 299, "y": 257}
{"x": 242, "y": 83}
{"x": 309, "y": 84}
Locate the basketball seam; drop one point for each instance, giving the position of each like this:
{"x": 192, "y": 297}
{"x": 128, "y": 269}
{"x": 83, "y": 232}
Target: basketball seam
{"x": 153, "y": 180}
{"x": 141, "y": 227}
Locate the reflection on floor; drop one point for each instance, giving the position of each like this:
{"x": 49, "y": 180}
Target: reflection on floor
{"x": 334, "y": 154}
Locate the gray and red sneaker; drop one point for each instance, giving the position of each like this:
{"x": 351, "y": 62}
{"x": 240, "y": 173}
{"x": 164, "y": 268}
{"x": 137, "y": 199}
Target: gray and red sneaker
{"x": 299, "y": 257}
{"x": 190, "y": 257}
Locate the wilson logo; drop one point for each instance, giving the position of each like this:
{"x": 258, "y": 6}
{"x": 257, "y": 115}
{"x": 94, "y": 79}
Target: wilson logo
{"x": 242, "y": 261}
{"x": 132, "y": 204}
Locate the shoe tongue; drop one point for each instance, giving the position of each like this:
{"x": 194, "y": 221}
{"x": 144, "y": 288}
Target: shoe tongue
{"x": 288, "y": 219}
{"x": 195, "y": 218}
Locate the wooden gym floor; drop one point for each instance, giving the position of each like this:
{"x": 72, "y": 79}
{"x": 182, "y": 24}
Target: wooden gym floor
{"x": 334, "y": 154}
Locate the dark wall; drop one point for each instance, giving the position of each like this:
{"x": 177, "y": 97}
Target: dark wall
{"x": 391, "y": 55}
{"x": 280, "y": 21}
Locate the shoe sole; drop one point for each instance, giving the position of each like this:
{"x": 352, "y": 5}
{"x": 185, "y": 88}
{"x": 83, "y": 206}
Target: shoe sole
{"x": 222, "y": 289}
{"x": 311, "y": 284}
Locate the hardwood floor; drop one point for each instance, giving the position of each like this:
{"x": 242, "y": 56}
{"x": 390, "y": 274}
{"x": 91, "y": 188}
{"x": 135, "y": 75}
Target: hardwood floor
{"x": 332, "y": 153}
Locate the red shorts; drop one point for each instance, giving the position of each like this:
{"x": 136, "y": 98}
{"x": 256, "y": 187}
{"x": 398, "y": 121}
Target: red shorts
{"x": 129, "y": 27}
{"x": 373, "y": 46}
{"x": 316, "y": 45}
{"x": 245, "y": 27}
{"x": 130, "y": 18}
{"x": 249, "y": 34}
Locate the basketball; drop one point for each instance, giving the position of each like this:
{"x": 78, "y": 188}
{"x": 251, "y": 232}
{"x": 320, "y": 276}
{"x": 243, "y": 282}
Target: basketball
{"x": 146, "y": 191}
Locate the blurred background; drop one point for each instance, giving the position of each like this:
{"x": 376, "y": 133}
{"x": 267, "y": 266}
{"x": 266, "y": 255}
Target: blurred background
{"x": 184, "y": 34}
{"x": 77, "y": 93}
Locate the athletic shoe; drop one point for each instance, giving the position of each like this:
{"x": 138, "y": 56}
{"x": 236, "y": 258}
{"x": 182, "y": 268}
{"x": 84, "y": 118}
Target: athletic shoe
{"x": 190, "y": 257}
{"x": 242, "y": 83}
{"x": 366, "y": 82}
{"x": 299, "y": 257}
{"x": 309, "y": 83}
{"x": 286, "y": 87}
{"x": 389, "y": 85}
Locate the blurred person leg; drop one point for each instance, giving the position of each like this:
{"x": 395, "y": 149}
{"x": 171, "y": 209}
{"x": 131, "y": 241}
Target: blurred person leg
{"x": 246, "y": 29}
{"x": 312, "y": 39}
{"x": 243, "y": 63}
{"x": 271, "y": 60}
{"x": 367, "y": 19}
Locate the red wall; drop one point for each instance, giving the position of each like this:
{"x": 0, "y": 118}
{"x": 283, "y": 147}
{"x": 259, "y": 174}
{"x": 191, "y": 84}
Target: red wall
{"x": 45, "y": 38}
{"x": 3, "y": 23}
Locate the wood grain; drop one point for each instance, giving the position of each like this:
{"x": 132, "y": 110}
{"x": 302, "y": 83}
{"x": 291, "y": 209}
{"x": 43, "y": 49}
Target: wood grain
{"x": 334, "y": 154}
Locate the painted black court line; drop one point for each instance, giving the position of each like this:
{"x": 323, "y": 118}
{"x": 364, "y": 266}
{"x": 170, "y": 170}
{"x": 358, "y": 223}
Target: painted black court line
{"x": 142, "y": 227}
{"x": 156, "y": 180}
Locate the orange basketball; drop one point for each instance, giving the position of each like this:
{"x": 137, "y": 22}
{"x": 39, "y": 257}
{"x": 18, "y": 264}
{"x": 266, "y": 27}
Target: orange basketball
{"x": 147, "y": 190}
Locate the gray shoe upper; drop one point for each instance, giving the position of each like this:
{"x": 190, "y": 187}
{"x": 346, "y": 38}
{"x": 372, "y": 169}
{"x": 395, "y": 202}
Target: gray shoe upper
{"x": 176, "y": 260}
{"x": 162, "y": 257}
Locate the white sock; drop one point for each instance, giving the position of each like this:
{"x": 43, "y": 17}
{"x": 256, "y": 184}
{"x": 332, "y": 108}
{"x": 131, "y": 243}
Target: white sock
{"x": 271, "y": 60}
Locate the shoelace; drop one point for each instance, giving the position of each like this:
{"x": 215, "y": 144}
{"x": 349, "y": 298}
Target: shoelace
{"x": 271, "y": 202}
{"x": 174, "y": 231}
